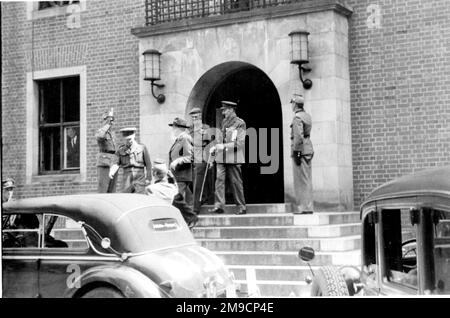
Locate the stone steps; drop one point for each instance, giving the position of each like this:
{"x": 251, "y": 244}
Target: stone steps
{"x": 233, "y": 232}
{"x": 346, "y": 243}
{"x": 277, "y": 219}
{"x": 267, "y": 273}
{"x": 252, "y": 208}
{"x": 288, "y": 258}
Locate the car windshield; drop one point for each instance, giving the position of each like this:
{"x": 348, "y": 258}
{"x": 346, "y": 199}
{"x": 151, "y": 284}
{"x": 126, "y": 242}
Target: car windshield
{"x": 155, "y": 227}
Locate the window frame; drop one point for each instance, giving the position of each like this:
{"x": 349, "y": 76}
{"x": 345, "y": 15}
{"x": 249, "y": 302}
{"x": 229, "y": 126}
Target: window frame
{"x": 32, "y": 126}
{"x": 33, "y": 12}
{"x": 25, "y": 249}
{"x": 62, "y": 128}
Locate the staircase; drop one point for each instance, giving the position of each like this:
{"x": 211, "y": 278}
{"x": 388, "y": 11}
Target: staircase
{"x": 261, "y": 247}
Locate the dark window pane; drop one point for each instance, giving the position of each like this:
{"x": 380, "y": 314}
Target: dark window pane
{"x": 71, "y": 99}
{"x": 50, "y": 101}
{"x": 49, "y": 4}
{"x": 50, "y": 149}
{"x": 72, "y": 146}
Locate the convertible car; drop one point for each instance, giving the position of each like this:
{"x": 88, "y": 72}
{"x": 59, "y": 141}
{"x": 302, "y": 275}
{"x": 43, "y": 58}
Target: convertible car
{"x": 105, "y": 245}
{"x": 405, "y": 241}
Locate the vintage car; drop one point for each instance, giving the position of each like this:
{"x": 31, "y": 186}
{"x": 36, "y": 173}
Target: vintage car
{"x": 105, "y": 245}
{"x": 405, "y": 245}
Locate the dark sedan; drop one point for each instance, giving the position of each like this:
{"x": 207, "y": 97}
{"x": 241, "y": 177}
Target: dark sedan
{"x": 105, "y": 245}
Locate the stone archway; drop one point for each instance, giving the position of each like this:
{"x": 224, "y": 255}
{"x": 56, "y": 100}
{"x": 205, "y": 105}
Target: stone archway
{"x": 260, "y": 107}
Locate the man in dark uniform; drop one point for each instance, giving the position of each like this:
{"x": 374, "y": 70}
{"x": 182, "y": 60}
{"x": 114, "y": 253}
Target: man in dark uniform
{"x": 180, "y": 163}
{"x": 135, "y": 161}
{"x": 107, "y": 155}
{"x": 302, "y": 154}
{"x": 229, "y": 156}
{"x": 201, "y": 138}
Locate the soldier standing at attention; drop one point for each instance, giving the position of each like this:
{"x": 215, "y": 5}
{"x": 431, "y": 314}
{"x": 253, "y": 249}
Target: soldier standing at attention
{"x": 107, "y": 156}
{"x": 229, "y": 156}
{"x": 8, "y": 186}
{"x": 302, "y": 154}
{"x": 201, "y": 139}
{"x": 135, "y": 161}
{"x": 180, "y": 163}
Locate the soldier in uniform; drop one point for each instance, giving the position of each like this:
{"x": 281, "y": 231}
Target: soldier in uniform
{"x": 107, "y": 155}
{"x": 201, "y": 139}
{"x": 135, "y": 161}
{"x": 302, "y": 154}
{"x": 229, "y": 156}
{"x": 180, "y": 162}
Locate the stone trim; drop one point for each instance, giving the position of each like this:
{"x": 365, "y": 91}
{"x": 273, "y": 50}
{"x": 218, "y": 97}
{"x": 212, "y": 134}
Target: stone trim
{"x": 243, "y": 17}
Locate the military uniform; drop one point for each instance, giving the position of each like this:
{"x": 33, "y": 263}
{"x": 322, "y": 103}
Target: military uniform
{"x": 106, "y": 158}
{"x": 229, "y": 161}
{"x": 181, "y": 151}
{"x": 201, "y": 138}
{"x": 302, "y": 153}
{"x": 136, "y": 165}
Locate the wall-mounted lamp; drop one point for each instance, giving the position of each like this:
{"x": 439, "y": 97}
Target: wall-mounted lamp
{"x": 299, "y": 54}
{"x": 152, "y": 71}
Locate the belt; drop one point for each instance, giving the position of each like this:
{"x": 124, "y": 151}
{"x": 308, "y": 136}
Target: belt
{"x": 133, "y": 167}
{"x": 110, "y": 152}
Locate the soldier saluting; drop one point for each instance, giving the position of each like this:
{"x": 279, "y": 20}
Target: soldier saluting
{"x": 229, "y": 156}
{"x": 135, "y": 161}
{"x": 107, "y": 155}
{"x": 302, "y": 154}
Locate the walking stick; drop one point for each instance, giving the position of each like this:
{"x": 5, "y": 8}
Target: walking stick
{"x": 204, "y": 178}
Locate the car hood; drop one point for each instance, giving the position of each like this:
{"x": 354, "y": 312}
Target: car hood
{"x": 187, "y": 271}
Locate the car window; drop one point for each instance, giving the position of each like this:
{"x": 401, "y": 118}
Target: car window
{"x": 21, "y": 231}
{"x": 63, "y": 232}
{"x": 399, "y": 237}
{"x": 442, "y": 252}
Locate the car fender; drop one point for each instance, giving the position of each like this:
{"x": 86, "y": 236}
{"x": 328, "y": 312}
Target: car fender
{"x": 132, "y": 283}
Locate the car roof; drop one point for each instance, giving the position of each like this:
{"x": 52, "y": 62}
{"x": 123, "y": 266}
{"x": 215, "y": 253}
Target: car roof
{"x": 427, "y": 182}
{"x": 106, "y": 206}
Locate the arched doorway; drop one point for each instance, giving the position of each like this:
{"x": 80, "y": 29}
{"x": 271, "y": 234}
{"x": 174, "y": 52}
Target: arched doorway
{"x": 260, "y": 107}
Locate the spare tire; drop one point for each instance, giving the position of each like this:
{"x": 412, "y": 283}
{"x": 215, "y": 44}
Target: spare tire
{"x": 328, "y": 281}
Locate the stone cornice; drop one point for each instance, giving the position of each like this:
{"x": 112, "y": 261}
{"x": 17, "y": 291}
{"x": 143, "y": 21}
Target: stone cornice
{"x": 243, "y": 17}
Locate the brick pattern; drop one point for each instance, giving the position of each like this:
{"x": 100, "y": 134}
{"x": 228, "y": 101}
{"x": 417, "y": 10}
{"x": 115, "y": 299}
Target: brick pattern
{"x": 103, "y": 43}
{"x": 400, "y": 93}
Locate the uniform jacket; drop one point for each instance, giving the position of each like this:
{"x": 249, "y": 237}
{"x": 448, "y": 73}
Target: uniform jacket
{"x": 300, "y": 134}
{"x": 201, "y": 138}
{"x": 106, "y": 145}
{"x": 233, "y": 138}
{"x": 136, "y": 156}
{"x": 182, "y": 148}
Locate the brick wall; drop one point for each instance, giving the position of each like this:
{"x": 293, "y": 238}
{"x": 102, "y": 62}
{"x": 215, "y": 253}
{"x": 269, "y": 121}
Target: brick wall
{"x": 103, "y": 44}
{"x": 400, "y": 90}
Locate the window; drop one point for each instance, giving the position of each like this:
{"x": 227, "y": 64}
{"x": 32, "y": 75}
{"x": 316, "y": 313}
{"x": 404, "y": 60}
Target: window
{"x": 399, "y": 237}
{"x": 21, "y": 231}
{"x": 59, "y": 125}
{"x": 50, "y": 4}
{"x": 62, "y": 232}
{"x": 442, "y": 252}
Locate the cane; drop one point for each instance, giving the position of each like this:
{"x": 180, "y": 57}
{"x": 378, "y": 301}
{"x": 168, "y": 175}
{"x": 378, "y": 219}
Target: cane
{"x": 204, "y": 177}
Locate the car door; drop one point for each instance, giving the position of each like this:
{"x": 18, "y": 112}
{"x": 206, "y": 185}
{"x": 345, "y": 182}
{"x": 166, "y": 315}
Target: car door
{"x": 20, "y": 241}
{"x": 65, "y": 255}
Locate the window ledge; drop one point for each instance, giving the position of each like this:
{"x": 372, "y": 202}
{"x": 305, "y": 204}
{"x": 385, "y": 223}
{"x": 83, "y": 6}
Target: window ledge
{"x": 75, "y": 177}
{"x": 36, "y": 14}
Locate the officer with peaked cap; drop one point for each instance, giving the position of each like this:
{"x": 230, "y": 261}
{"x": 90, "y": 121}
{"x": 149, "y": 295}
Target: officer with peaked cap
{"x": 229, "y": 157}
{"x": 180, "y": 162}
{"x": 8, "y": 186}
{"x": 201, "y": 137}
{"x": 302, "y": 153}
{"x": 135, "y": 161}
{"x": 107, "y": 155}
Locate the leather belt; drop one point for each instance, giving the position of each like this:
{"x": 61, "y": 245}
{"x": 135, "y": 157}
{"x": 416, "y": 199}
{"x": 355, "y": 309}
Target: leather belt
{"x": 110, "y": 152}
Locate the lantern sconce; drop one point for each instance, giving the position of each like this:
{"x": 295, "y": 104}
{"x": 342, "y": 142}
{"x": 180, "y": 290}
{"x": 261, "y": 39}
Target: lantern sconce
{"x": 299, "y": 54}
{"x": 152, "y": 71}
